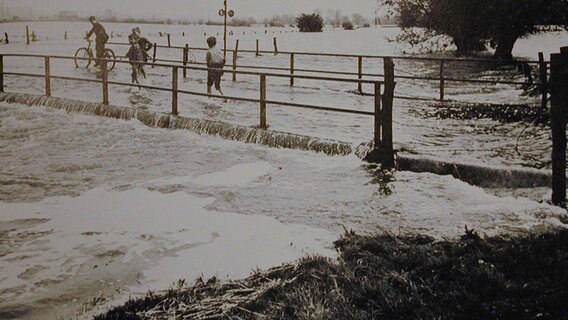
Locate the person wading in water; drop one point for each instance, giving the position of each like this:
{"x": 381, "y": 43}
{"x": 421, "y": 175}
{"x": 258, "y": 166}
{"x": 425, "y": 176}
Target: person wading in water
{"x": 136, "y": 56}
{"x": 216, "y": 62}
{"x": 101, "y": 39}
{"x": 144, "y": 43}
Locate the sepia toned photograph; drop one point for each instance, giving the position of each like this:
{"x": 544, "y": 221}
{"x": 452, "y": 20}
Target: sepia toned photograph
{"x": 283, "y": 159}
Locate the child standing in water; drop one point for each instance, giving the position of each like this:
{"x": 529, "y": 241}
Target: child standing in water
{"x": 215, "y": 60}
{"x": 136, "y": 56}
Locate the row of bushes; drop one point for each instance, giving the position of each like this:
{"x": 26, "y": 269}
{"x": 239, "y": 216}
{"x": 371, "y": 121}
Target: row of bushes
{"x": 314, "y": 23}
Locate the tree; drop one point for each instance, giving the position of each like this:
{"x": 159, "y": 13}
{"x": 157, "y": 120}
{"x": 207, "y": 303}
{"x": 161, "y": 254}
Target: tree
{"x": 358, "y": 19}
{"x": 473, "y": 23}
{"x": 347, "y": 24}
{"x": 310, "y": 22}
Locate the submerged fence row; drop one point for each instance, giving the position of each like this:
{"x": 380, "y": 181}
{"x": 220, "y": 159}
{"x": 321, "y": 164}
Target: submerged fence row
{"x": 381, "y": 111}
{"x": 442, "y": 77}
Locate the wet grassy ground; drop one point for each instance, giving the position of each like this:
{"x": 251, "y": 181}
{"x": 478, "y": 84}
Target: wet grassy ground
{"x": 387, "y": 277}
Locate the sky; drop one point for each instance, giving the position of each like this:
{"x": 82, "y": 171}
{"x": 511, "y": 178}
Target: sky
{"x": 192, "y": 9}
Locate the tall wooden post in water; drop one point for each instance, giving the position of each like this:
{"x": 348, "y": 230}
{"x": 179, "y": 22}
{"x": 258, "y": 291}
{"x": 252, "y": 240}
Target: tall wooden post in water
{"x": 442, "y": 81}
{"x": 185, "y": 59}
{"x": 1, "y": 73}
{"x": 263, "y": 101}
{"x": 360, "y": 74}
{"x": 558, "y": 115}
{"x": 105, "y": 81}
{"x": 47, "y": 77}
{"x": 543, "y": 81}
{"x": 292, "y": 69}
{"x": 235, "y": 57}
{"x": 378, "y": 117}
{"x": 388, "y": 100}
{"x": 225, "y": 32}
{"x": 154, "y": 54}
{"x": 175, "y": 84}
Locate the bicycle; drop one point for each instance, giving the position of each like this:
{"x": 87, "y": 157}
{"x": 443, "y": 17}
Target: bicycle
{"x": 84, "y": 56}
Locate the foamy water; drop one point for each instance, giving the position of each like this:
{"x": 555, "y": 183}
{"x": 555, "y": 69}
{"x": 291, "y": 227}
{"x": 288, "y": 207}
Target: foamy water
{"x": 465, "y": 141}
{"x": 96, "y": 207}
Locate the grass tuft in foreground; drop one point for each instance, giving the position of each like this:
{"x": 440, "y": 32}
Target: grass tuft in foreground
{"x": 387, "y": 277}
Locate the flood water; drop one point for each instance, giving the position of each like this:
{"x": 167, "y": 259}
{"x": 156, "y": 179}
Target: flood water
{"x": 93, "y": 210}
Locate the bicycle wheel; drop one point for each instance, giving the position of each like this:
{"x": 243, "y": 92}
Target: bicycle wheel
{"x": 83, "y": 58}
{"x": 109, "y": 54}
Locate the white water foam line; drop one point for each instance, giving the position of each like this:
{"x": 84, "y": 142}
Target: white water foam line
{"x": 479, "y": 175}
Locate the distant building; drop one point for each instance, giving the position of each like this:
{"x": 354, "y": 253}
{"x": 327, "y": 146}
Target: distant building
{"x": 68, "y": 15}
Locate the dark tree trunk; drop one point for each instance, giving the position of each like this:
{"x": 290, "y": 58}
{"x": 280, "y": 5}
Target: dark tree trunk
{"x": 504, "y": 50}
{"x": 467, "y": 46}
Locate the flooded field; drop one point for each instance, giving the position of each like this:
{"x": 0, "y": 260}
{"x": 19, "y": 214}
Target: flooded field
{"x": 93, "y": 210}
{"x": 487, "y": 142}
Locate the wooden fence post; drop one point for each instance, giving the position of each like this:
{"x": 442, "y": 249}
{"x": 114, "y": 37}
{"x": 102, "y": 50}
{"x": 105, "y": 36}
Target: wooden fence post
{"x": 360, "y": 74}
{"x": 388, "y": 99}
{"x": 47, "y": 77}
{"x": 1, "y": 73}
{"x": 235, "y": 57}
{"x": 154, "y": 54}
{"x": 275, "y": 46}
{"x": 558, "y": 110}
{"x": 175, "y": 91}
{"x": 442, "y": 81}
{"x": 185, "y": 59}
{"x": 263, "y": 101}
{"x": 105, "y": 81}
{"x": 292, "y": 69}
{"x": 234, "y": 65}
{"x": 27, "y": 35}
{"x": 65, "y": 37}
{"x": 378, "y": 116}
{"x": 543, "y": 81}
{"x": 257, "y": 48}
{"x": 169, "y": 41}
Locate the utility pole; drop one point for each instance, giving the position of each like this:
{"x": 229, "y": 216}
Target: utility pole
{"x": 225, "y": 33}
{"x": 225, "y": 13}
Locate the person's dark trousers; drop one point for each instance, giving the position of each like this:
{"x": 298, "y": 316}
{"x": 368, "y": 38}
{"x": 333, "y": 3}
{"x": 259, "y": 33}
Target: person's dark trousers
{"x": 100, "y": 51}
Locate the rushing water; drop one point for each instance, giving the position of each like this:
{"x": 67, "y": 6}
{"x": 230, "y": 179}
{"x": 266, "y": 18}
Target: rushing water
{"x": 94, "y": 209}
{"x": 486, "y": 142}
{"x": 143, "y": 200}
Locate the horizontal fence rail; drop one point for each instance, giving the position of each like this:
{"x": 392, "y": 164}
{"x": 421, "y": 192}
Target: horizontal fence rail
{"x": 378, "y": 112}
{"x": 442, "y": 78}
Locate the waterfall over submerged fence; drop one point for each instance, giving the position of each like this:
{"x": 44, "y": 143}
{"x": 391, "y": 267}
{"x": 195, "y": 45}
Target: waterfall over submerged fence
{"x": 474, "y": 174}
{"x": 201, "y": 126}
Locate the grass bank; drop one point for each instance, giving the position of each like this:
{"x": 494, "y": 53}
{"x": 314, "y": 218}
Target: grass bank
{"x": 386, "y": 277}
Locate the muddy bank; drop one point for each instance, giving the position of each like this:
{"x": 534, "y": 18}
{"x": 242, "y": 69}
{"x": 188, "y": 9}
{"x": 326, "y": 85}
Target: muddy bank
{"x": 387, "y": 277}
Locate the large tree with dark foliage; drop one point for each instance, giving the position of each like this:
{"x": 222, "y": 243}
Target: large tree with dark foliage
{"x": 310, "y": 22}
{"x": 473, "y": 23}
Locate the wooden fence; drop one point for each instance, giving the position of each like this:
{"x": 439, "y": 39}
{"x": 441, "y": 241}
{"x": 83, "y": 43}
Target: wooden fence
{"x": 381, "y": 110}
{"x": 442, "y": 78}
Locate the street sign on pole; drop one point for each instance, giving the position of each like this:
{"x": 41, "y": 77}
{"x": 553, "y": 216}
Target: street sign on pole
{"x": 225, "y": 13}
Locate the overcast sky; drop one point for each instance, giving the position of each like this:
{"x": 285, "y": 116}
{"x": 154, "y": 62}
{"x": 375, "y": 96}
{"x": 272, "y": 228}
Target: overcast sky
{"x": 197, "y": 8}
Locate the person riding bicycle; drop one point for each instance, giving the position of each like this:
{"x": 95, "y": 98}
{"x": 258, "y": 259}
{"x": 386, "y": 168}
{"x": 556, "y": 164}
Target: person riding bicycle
{"x": 101, "y": 38}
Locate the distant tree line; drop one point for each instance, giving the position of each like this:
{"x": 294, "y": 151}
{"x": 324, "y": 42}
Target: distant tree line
{"x": 474, "y": 24}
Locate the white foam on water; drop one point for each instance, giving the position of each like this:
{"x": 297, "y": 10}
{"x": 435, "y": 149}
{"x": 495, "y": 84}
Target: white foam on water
{"x": 239, "y": 175}
{"x": 164, "y": 237}
{"x": 442, "y": 202}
